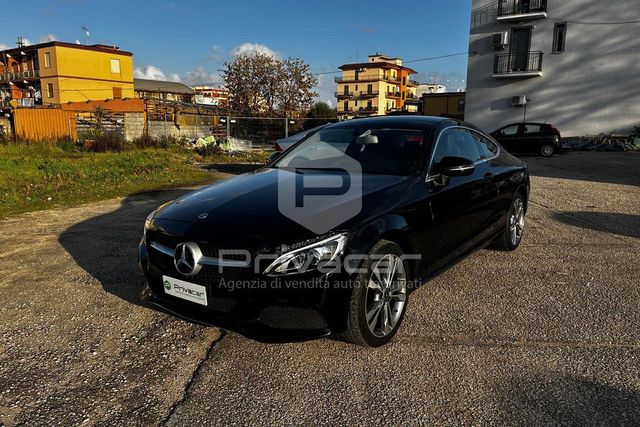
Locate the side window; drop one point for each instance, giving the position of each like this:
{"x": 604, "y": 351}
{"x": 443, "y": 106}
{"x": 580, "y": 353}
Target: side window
{"x": 510, "y": 130}
{"x": 532, "y": 129}
{"x": 456, "y": 143}
{"x": 486, "y": 147}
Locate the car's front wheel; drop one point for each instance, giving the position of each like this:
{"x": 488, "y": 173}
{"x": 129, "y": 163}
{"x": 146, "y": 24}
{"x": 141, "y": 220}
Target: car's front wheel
{"x": 379, "y": 297}
{"x": 547, "y": 150}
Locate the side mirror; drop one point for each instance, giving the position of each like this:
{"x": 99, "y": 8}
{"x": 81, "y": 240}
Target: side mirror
{"x": 455, "y": 166}
{"x": 274, "y": 156}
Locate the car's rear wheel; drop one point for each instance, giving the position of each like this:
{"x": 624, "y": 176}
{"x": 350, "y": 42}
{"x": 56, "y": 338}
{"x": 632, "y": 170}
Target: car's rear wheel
{"x": 547, "y": 150}
{"x": 379, "y": 298}
{"x": 510, "y": 238}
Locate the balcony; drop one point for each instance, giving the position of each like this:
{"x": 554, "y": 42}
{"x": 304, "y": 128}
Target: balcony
{"x": 413, "y": 83}
{"x": 343, "y": 95}
{"x": 521, "y": 10}
{"x": 514, "y": 65}
{"x": 360, "y": 79}
{"x": 20, "y": 75}
{"x": 368, "y": 110}
{"x": 368, "y": 94}
{"x": 393, "y": 94}
{"x": 348, "y": 111}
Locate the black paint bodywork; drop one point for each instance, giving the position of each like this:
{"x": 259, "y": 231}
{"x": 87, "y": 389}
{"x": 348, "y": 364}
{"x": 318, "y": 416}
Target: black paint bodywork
{"x": 442, "y": 224}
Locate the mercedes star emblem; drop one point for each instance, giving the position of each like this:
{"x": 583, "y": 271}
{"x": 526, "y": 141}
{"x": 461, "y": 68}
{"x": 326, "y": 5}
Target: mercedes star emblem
{"x": 186, "y": 258}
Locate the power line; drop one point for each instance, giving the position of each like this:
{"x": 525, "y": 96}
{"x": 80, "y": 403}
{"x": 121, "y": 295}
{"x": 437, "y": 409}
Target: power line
{"x": 405, "y": 62}
{"x": 601, "y": 23}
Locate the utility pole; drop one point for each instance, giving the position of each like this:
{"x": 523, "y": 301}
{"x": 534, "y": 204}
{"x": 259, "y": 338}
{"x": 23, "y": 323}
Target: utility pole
{"x": 286, "y": 127}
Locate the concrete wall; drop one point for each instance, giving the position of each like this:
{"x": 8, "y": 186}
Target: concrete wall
{"x": 133, "y": 126}
{"x": 591, "y": 88}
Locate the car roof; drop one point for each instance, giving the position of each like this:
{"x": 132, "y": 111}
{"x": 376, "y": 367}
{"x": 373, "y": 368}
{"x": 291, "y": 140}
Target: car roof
{"x": 408, "y": 122}
{"x": 526, "y": 123}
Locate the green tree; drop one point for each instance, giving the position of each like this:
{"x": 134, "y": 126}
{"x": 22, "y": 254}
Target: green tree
{"x": 322, "y": 110}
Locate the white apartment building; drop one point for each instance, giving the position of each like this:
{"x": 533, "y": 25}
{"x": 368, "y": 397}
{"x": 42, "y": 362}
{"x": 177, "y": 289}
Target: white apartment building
{"x": 572, "y": 63}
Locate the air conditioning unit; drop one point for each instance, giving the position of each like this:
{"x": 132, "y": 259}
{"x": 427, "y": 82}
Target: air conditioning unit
{"x": 499, "y": 41}
{"x": 519, "y": 100}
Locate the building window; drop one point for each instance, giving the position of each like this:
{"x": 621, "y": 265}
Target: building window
{"x": 115, "y": 66}
{"x": 47, "y": 60}
{"x": 117, "y": 93}
{"x": 49, "y": 90}
{"x": 404, "y": 81}
{"x": 346, "y": 106}
{"x": 559, "y": 37}
{"x": 460, "y": 105}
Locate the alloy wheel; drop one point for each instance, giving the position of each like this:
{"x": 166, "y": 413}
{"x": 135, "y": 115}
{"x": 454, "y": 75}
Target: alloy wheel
{"x": 386, "y": 295}
{"x": 516, "y": 221}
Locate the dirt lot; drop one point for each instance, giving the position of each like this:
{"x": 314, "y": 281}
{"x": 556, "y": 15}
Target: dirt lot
{"x": 549, "y": 334}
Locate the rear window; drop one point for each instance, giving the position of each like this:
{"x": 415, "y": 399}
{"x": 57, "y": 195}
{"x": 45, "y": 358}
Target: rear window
{"x": 530, "y": 129}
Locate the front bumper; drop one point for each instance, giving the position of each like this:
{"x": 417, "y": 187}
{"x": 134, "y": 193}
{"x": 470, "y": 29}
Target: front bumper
{"x": 294, "y": 308}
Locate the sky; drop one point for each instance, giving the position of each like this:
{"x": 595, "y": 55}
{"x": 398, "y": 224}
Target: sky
{"x": 189, "y": 41}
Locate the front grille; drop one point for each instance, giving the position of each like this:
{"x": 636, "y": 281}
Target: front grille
{"x": 292, "y": 318}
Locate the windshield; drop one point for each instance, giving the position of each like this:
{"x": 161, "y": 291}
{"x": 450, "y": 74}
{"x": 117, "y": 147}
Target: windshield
{"x": 379, "y": 151}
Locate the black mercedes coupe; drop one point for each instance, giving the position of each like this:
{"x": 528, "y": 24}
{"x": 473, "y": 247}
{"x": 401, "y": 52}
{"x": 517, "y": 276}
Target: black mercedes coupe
{"x": 333, "y": 235}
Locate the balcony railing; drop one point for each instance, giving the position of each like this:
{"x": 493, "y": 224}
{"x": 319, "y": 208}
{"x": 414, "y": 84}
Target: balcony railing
{"x": 368, "y": 110}
{"x": 348, "y": 111}
{"x": 21, "y": 75}
{"x": 368, "y": 94}
{"x": 340, "y": 95}
{"x": 413, "y": 83}
{"x": 518, "y": 64}
{"x": 521, "y": 9}
{"x": 394, "y": 94}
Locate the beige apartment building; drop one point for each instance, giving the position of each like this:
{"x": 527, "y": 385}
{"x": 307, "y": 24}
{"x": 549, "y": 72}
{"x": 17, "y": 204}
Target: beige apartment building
{"x": 376, "y": 87}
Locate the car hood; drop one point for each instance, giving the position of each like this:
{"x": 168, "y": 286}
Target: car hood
{"x": 247, "y": 205}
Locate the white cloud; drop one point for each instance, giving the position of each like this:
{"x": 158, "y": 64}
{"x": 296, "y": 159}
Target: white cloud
{"x": 252, "y": 48}
{"x": 151, "y": 72}
{"x": 4, "y": 46}
{"x": 26, "y": 41}
{"x": 325, "y": 89}
{"x": 193, "y": 77}
{"x": 200, "y": 76}
{"x": 48, "y": 38}
{"x": 217, "y": 53}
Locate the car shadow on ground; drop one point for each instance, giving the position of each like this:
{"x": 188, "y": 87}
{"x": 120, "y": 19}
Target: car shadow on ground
{"x": 106, "y": 246}
{"x": 569, "y": 400}
{"x": 602, "y": 167}
{"x": 610, "y": 222}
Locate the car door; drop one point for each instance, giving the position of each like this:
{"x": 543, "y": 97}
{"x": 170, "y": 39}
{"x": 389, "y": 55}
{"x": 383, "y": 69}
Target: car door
{"x": 453, "y": 201}
{"x": 494, "y": 204}
{"x": 508, "y": 138}
{"x": 531, "y": 137}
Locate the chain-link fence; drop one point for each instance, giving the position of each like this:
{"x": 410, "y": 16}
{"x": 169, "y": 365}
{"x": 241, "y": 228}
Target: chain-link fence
{"x": 260, "y": 132}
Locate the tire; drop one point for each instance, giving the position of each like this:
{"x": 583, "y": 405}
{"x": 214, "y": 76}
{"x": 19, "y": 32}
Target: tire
{"x": 547, "y": 150}
{"x": 375, "y": 299}
{"x": 515, "y": 218}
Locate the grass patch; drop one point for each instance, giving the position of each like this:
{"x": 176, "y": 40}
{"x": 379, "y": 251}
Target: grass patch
{"x": 36, "y": 176}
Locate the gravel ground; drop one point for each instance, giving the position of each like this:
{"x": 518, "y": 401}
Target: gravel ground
{"x": 549, "y": 334}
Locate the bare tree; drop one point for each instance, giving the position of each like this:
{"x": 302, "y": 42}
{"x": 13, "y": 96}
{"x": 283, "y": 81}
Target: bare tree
{"x": 262, "y": 85}
{"x": 296, "y": 90}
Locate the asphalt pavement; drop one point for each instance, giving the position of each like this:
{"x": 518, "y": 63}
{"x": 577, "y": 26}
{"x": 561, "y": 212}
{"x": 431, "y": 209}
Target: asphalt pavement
{"x": 547, "y": 335}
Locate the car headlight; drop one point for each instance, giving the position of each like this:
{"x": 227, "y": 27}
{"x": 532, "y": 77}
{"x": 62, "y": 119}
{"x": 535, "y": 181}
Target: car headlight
{"x": 310, "y": 257}
{"x": 147, "y": 222}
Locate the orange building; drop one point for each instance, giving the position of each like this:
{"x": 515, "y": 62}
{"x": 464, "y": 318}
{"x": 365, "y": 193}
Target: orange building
{"x": 376, "y": 87}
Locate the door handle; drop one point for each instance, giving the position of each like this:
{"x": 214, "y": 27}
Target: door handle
{"x": 488, "y": 177}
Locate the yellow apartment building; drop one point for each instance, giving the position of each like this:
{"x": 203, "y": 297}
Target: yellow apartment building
{"x": 376, "y": 87}
{"x": 57, "y": 73}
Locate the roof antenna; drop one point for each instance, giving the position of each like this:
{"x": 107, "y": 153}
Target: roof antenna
{"x": 87, "y": 34}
